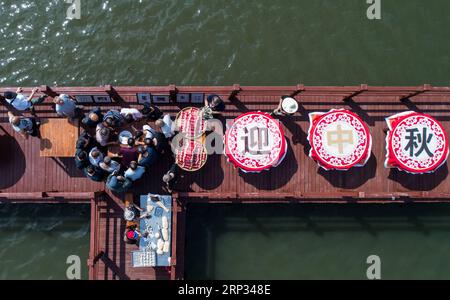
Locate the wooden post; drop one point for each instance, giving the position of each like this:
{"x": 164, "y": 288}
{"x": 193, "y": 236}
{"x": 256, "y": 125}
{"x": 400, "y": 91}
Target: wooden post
{"x": 362, "y": 88}
{"x": 236, "y": 90}
{"x": 422, "y": 89}
{"x": 298, "y": 89}
{"x": 173, "y": 91}
{"x": 48, "y": 91}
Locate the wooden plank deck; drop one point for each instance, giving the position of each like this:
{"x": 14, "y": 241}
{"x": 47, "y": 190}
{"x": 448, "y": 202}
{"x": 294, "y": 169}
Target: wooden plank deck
{"x": 297, "y": 179}
{"x": 23, "y": 170}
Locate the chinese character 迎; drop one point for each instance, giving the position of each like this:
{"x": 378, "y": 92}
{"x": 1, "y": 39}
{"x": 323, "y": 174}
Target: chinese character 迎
{"x": 256, "y": 140}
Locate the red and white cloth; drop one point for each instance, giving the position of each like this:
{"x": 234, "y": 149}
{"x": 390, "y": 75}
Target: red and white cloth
{"x": 339, "y": 139}
{"x": 415, "y": 143}
{"x": 255, "y": 142}
{"x": 190, "y": 122}
{"x": 191, "y": 155}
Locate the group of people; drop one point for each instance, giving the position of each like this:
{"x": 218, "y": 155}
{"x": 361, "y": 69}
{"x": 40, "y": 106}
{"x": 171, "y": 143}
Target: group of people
{"x": 137, "y": 152}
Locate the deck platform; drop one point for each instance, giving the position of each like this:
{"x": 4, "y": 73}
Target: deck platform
{"x": 298, "y": 179}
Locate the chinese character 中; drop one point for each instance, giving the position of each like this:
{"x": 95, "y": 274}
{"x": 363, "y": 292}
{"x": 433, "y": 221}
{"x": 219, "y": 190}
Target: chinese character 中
{"x": 414, "y": 138}
{"x": 340, "y": 137}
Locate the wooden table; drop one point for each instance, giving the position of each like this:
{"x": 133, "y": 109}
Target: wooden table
{"x": 58, "y": 137}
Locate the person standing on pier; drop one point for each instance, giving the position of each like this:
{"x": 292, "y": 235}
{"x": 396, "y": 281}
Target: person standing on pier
{"x": 134, "y": 172}
{"x": 93, "y": 118}
{"x": 81, "y": 159}
{"x": 171, "y": 177}
{"x": 94, "y": 173}
{"x": 21, "y": 102}
{"x": 24, "y": 126}
{"x": 108, "y": 165}
{"x": 117, "y": 183}
{"x": 131, "y": 114}
{"x": 113, "y": 119}
{"x": 95, "y": 157}
{"x": 147, "y": 156}
{"x": 151, "y": 112}
{"x": 166, "y": 126}
{"x": 65, "y": 106}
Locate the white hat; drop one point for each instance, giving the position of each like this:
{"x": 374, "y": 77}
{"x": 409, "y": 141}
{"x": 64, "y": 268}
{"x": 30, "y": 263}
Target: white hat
{"x": 289, "y": 105}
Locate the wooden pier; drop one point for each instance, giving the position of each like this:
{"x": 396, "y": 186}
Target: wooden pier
{"x": 27, "y": 177}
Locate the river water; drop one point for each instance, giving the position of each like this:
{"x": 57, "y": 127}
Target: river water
{"x": 258, "y": 42}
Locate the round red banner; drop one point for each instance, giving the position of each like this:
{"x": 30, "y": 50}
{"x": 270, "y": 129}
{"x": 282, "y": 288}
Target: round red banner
{"x": 339, "y": 139}
{"x": 416, "y": 143}
{"x": 190, "y": 122}
{"x": 255, "y": 142}
{"x": 190, "y": 155}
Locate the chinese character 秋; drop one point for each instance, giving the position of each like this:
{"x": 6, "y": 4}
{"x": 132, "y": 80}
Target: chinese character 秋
{"x": 423, "y": 139}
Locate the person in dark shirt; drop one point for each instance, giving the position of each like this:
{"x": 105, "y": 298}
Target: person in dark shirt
{"x": 93, "y": 118}
{"x": 159, "y": 142}
{"x": 215, "y": 103}
{"x": 118, "y": 183}
{"x": 81, "y": 159}
{"x": 171, "y": 177}
{"x": 151, "y": 112}
{"x": 94, "y": 173}
{"x": 85, "y": 142}
{"x": 147, "y": 156}
{"x": 128, "y": 152}
{"x": 113, "y": 119}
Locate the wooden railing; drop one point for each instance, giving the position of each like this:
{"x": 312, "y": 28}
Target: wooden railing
{"x": 47, "y": 197}
{"x": 118, "y": 94}
{"x": 319, "y": 197}
{"x": 95, "y": 252}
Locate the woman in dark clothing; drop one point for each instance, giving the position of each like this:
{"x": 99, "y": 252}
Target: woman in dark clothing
{"x": 94, "y": 117}
{"x": 215, "y": 103}
{"x": 81, "y": 159}
{"x": 151, "y": 112}
{"x": 94, "y": 173}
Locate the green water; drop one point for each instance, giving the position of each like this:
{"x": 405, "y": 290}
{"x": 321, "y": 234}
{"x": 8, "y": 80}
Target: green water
{"x": 36, "y": 240}
{"x": 258, "y": 42}
{"x": 317, "y": 241}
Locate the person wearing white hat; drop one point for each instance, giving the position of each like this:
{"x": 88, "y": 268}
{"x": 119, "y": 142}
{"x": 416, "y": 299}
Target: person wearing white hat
{"x": 287, "y": 107}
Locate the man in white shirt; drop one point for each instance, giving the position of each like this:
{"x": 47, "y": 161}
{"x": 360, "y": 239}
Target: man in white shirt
{"x": 65, "y": 106}
{"x": 166, "y": 126}
{"x": 109, "y": 165}
{"x": 21, "y": 102}
{"x": 131, "y": 114}
{"x": 148, "y": 131}
{"x": 95, "y": 157}
{"x": 134, "y": 172}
